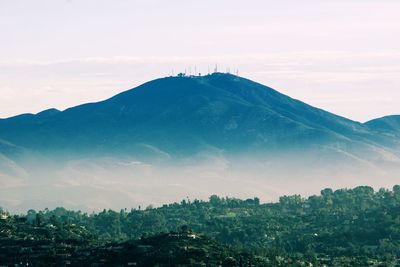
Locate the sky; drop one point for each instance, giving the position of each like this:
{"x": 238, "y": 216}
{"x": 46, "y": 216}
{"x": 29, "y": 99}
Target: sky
{"x": 339, "y": 55}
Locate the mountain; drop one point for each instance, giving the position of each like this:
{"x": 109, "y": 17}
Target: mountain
{"x": 8, "y": 153}
{"x": 180, "y": 116}
{"x": 179, "y": 137}
{"x": 388, "y": 124}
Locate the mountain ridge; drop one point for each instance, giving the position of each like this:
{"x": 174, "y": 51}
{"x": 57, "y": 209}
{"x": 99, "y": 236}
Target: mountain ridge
{"x": 174, "y": 137}
{"x": 390, "y": 123}
{"x": 184, "y": 115}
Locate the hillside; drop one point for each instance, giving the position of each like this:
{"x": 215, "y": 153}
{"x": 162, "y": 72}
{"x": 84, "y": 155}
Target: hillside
{"x": 183, "y": 116}
{"x": 344, "y": 227}
{"x": 388, "y": 124}
{"x": 174, "y": 137}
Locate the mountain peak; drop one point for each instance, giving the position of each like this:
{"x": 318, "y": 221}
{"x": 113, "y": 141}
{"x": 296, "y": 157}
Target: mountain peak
{"x": 385, "y": 124}
{"x": 48, "y": 112}
{"x": 181, "y": 115}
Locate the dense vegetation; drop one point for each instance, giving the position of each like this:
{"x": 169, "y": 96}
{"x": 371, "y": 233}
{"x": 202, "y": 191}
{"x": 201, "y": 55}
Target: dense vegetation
{"x": 345, "y": 227}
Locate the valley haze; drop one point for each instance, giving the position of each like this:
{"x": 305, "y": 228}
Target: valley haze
{"x": 189, "y": 137}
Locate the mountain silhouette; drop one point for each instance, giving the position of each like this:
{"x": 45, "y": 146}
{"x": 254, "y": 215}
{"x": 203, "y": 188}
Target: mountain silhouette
{"x": 188, "y": 136}
{"x": 181, "y": 116}
{"x": 387, "y": 124}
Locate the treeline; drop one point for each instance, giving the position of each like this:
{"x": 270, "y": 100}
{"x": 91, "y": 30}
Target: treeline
{"x": 346, "y": 225}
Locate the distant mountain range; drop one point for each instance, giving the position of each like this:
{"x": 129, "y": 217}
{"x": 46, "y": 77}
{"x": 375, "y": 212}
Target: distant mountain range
{"x": 189, "y": 136}
{"x": 180, "y": 116}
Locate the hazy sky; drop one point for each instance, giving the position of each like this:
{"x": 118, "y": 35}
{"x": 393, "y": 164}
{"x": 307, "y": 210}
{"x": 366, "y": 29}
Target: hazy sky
{"x": 340, "y": 55}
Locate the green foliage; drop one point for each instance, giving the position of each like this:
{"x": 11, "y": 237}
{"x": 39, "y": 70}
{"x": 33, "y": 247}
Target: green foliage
{"x": 343, "y": 227}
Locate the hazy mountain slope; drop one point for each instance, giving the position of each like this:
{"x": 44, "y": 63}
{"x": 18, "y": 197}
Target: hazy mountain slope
{"x": 388, "y": 124}
{"x": 186, "y": 136}
{"x": 9, "y": 149}
{"x": 185, "y": 115}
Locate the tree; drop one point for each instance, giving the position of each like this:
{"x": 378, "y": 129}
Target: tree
{"x": 215, "y": 200}
{"x": 327, "y": 192}
{"x": 396, "y": 190}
